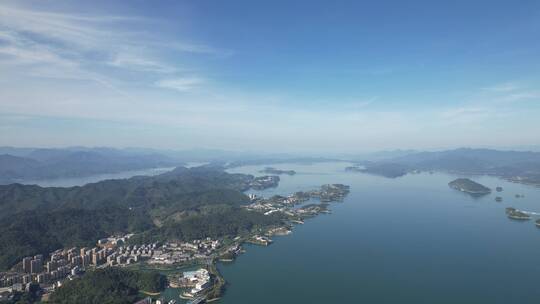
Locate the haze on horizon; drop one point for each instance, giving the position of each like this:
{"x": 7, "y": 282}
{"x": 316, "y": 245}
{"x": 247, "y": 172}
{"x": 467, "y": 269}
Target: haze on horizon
{"x": 276, "y": 76}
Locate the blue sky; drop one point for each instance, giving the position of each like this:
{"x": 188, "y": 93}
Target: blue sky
{"x": 290, "y": 76}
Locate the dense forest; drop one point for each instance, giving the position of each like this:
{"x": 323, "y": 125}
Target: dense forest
{"x": 181, "y": 204}
{"x": 179, "y": 187}
{"x": 219, "y": 222}
{"x": 110, "y": 285}
{"x": 33, "y": 232}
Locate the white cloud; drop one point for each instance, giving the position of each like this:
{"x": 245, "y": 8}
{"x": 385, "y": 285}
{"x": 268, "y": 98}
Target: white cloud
{"x": 520, "y": 96}
{"x": 140, "y": 63}
{"x": 509, "y": 92}
{"x": 503, "y": 87}
{"x": 180, "y": 84}
{"x": 462, "y": 112}
{"x": 81, "y": 46}
{"x": 359, "y": 104}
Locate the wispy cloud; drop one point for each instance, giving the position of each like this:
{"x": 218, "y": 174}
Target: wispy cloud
{"x": 140, "y": 63}
{"x": 180, "y": 84}
{"x": 510, "y": 92}
{"x": 521, "y": 96}
{"x": 16, "y": 49}
{"x": 359, "y": 104}
{"x": 81, "y": 46}
{"x": 465, "y": 114}
{"x": 503, "y": 87}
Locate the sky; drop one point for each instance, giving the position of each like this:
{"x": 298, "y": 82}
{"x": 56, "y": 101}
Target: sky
{"x": 276, "y": 76}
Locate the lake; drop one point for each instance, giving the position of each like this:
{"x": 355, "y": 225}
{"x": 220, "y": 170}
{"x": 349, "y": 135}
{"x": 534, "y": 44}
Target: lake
{"x": 80, "y": 181}
{"x": 405, "y": 240}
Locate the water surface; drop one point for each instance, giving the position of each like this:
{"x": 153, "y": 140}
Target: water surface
{"x": 80, "y": 181}
{"x": 405, "y": 240}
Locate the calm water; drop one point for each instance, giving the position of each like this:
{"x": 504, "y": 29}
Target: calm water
{"x": 80, "y": 181}
{"x": 404, "y": 240}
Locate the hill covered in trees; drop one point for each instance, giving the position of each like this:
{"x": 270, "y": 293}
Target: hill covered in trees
{"x": 181, "y": 204}
{"x": 18, "y": 165}
{"x": 468, "y": 186}
{"x": 182, "y": 188}
{"x": 110, "y": 285}
{"x": 517, "y": 166}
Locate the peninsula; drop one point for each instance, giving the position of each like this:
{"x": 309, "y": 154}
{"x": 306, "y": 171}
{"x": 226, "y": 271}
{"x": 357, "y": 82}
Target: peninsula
{"x": 186, "y": 217}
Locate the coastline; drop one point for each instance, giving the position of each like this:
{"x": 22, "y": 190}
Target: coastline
{"x": 328, "y": 193}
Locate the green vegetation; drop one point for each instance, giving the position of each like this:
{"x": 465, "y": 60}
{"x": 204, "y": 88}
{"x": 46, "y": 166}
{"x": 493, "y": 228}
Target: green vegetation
{"x": 271, "y": 170}
{"x": 110, "y": 285}
{"x": 37, "y": 164}
{"x": 391, "y": 170}
{"x": 515, "y": 214}
{"x": 517, "y": 166}
{"x": 25, "y": 297}
{"x": 32, "y": 232}
{"x": 469, "y": 186}
{"x": 218, "y": 283}
{"x": 220, "y": 222}
{"x": 182, "y": 188}
{"x": 183, "y": 204}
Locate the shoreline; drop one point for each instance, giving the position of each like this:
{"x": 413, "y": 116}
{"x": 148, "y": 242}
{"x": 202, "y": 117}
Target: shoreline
{"x": 258, "y": 238}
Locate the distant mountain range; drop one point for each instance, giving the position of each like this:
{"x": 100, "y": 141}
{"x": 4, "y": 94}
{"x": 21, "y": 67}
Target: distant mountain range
{"x": 518, "y": 166}
{"x": 33, "y": 164}
{"x": 30, "y": 164}
{"x": 19, "y": 165}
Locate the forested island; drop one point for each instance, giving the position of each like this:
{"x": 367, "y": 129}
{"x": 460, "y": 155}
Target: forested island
{"x": 515, "y": 214}
{"x": 271, "y": 170}
{"x": 516, "y": 166}
{"x": 390, "y": 170}
{"x": 468, "y": 186}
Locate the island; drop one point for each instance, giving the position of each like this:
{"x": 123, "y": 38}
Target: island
{"x": 515, "y": 214}
{"x": 508, "y": 165}
{"x": 468, "y": 186}
{"x": 390, "y": 170}
{"x": 270, "y": 170}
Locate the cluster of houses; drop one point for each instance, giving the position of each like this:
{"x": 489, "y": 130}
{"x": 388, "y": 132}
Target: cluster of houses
{"x": 172, "y": 253}
{"x": 263, "y": 182}
{"x": 68, "y": 263}
{"x": 285, "y": 204}
{"x": 149, "y": 300}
